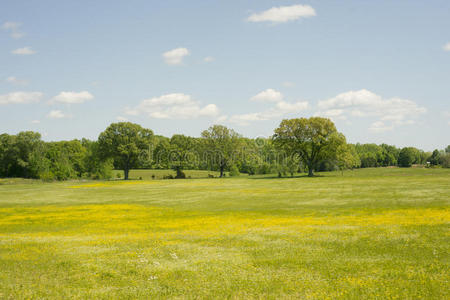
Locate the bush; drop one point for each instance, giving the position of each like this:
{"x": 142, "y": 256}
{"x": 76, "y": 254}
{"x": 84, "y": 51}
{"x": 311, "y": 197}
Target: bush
{"x": 234, "y": 171}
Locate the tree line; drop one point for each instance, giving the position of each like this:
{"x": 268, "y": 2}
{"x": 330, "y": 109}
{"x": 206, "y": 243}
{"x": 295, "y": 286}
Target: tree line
{"x": 298, "y": 145}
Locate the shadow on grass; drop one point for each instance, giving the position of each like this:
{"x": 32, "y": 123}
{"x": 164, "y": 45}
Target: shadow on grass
{"x": 285, "y": 177}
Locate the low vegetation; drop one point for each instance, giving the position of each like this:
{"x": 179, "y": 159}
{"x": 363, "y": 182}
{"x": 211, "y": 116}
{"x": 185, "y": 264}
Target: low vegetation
{"x": 376, "y": 233}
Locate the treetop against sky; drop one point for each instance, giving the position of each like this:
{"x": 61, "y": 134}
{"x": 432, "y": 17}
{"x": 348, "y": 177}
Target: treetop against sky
{"x": 379, "y": 70}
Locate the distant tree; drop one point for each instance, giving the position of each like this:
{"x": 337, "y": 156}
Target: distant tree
{"x": 15, "y": 151}
{"x": 347, "y": 157}
{"x": 434, "y": 158}
{"x": 406, "y": 157}
{"x": 447, "y": 149}
{"x": 314, "y": 140}
{"x": 95, "y": 166}
{"x": 124, "y": 142}
{"x": 182, "y": 152}
{"x": 221, "y": 145}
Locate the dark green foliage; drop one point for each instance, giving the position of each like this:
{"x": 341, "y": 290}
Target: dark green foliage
{"x": 314, "y": 140}
{"x": 126, "y": 145}
{"x": 406, "y": 157}
{"x": 434, "y": 158}
{"x": 221, "y": 146}
{"x": 125, "y": 142}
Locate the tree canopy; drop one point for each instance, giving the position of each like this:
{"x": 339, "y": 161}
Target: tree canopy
{"x": 125, "y": 142}
{"x": 314, "y": 140}
{"x": 221, "y": 143}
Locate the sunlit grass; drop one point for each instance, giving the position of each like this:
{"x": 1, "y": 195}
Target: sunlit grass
{"x": 376, "y": 233}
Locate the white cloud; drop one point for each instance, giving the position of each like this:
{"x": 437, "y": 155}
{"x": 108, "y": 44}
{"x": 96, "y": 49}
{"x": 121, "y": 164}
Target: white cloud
{"x": 35, "y": 122}
{"x": 287, "y": 107}
{"x": 23, "y": 51}
{"x": 14, "y": 29}
{"x": 283, "y": 14}
{"x": 56, "y": 114}
{"x": 122, "y": 119}
{"x": 446, "y": 47}
{"x": 269, "y": 95}
{"x": 173, "y": 106}
{"x": 72, "y": 97}
{"x": 17, "y": 81}
{"x": 379, "y": 126}
{"x": 209, "y": 59}
{"x": 364, "y": 103}
{"x": 20, "y": 97}
{"x": 279, "y": 109}
{"x": 175, "y": 56}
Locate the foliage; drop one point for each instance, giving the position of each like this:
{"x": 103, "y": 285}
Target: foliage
{"x": 125, "y": 142}
{"x": 220, "y": 146}
{"x": 407, "y": 157}
{"x": 234, "y": 171}
{"x": 314, "y": 140}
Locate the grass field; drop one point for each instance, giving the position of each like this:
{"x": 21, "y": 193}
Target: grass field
{"x": 366, "y": 234}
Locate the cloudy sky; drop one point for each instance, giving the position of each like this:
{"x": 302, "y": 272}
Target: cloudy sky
{"x": 379, "y": 69}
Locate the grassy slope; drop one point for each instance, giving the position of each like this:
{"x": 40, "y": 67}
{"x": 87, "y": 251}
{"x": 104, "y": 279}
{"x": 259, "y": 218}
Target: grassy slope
{"x": 374, "y": 233}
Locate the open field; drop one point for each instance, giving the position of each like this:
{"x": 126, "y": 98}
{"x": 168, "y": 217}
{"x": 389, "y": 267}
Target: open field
{"x": 366, "y": 234}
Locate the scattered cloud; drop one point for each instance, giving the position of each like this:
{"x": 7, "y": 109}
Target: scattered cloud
{"x": 288, "y": 84}
{"x": 379, "y": 126}
{"x": 269, "y": 95}
{"x": 446, "y": 47}
{"x": 363, "y": 103}
{"x": 209, "y": 59}
{"x": 23, "y": 51}
{"x": 72, "y": 97}
{"x": 16, "y": 81}
{"x": 13, "y": 28}
{"x": 279, "y": 109}
{"x": 283, "y": 14}
{"x": 122, "y": 119}
{"x": 20, "y": 97}
{"x": 173, "y": 106}
{"x": 175, "y": 56}
{"x": 56, "y": 114}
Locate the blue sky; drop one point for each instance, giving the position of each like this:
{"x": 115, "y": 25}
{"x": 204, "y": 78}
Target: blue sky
{"x": 379, "y": 69}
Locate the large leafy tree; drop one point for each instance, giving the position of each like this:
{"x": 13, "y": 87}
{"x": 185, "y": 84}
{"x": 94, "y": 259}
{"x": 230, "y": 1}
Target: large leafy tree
{"x": 125, "y": 142}
{"x": 221, "y": 146}
{"x": 314, "y": 140}
{"x": 407, "y": 157}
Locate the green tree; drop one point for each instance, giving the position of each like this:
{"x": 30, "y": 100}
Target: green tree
{"x": 434, "y": 158}
{"x": 406, "y": 157}
{"x": 347, "y": 157}
{"x": 314, "y": 140}
{"x": 124, "y": 142}
{"x": 221, "y": 146}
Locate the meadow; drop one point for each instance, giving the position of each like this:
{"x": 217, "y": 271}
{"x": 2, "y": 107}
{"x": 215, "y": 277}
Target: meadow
{"x": 363, "y": 234}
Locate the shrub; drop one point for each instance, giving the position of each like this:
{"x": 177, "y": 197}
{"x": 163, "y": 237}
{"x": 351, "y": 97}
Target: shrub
{"x": 234, "y": 171}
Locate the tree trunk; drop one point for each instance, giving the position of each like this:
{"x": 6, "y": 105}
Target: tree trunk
{"x": 310, "y": 170}
{"x": 125, "y": 172}
{"x": 221, "y": 170}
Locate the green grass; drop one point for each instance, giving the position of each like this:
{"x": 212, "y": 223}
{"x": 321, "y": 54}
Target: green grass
{"x": 366, "y": 234}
